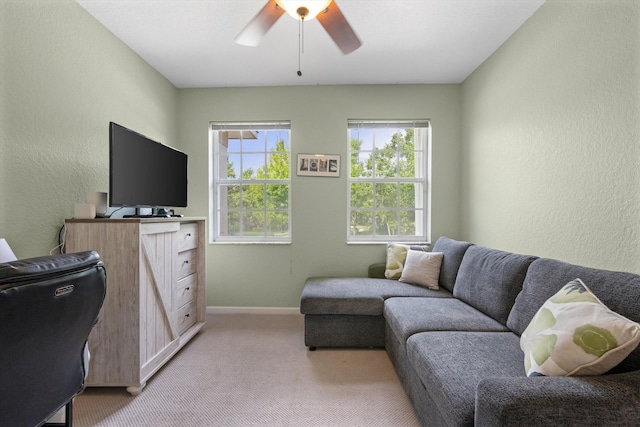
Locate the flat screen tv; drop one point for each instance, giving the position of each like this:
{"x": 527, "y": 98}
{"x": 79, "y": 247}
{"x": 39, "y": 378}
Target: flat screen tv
{"x": 144, "y": 173}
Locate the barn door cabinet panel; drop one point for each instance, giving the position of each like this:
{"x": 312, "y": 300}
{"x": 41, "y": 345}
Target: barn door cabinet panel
{"x": 155, "y": 300}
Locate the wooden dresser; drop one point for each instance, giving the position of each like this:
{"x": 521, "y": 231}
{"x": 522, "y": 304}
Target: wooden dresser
{"x": 156, "y": 293}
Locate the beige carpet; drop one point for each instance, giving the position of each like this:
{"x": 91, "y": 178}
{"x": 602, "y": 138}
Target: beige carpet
{"x": 254, "y": 370}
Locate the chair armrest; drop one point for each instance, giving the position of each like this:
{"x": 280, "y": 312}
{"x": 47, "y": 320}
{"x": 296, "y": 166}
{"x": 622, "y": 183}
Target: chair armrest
{"x": 31, "y": 269}
{"x": 376, "y": 271}
{"x": 611, "y": 400}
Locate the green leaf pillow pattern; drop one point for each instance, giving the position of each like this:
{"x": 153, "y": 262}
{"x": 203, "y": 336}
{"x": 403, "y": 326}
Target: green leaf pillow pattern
{"x": 574, "y": 333}
{"x": 396, "y": 256}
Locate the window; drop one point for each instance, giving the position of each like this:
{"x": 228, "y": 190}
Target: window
{"x": 250, "y": 169}
{"x": 388, "y": 180}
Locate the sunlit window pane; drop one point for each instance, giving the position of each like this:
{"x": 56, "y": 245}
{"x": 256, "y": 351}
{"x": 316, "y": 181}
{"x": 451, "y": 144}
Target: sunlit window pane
{"x": 277, "y": 196}
{"x": 388, "y": 172}
{"x": 251, "y": 166}
{"x": 362, "y": 195}
{"x": 386, "y": 195}
{"x": 361, "y": 223}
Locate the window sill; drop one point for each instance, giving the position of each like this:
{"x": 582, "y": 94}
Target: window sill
{"x": 229, "y": 242}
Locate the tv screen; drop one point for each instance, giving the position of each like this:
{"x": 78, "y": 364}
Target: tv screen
{"x": 143, "y": 172}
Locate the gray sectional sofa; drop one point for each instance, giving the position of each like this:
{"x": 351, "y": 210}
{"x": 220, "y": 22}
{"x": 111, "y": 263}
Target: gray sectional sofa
{"x": 457, "y": 350}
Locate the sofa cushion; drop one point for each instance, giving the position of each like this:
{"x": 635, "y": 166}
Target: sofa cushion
{"x": 573, "y": 333}
{"x": 357, "y": 295}
{"x": 453, "y": 252}
{"x": 451, "y": 365}
{"x": 422, "y": 269}
{"x": 490, "y": 280}
{"x": 396, "y": 257}
{"x": 619, "y": 291}
{"x": 408, "y": 316}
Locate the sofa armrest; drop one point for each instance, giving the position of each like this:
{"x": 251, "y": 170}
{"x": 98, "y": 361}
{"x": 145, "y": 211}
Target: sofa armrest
{"x": 611, "y": 400}
{"x": 376, "y": 271}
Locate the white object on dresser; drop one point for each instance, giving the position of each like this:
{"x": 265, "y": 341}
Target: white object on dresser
{"x": 84, "y": 211}
{"x": 99, "y": 200}
{"x": 6, "y": 254}
{"x": 155, "y": 301}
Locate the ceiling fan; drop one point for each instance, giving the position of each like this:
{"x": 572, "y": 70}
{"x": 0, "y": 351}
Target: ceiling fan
{"x": 326, "y": 11}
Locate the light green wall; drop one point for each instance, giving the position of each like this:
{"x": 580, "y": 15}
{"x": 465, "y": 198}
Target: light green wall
{"x": 273, "y": 275}
{"x": 537, "y": 152}
{"x": 551, "y": 137}
{"x": 63, "y": 77}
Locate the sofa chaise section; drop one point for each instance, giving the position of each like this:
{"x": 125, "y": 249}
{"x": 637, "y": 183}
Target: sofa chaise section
{"x": 347, "y": 312}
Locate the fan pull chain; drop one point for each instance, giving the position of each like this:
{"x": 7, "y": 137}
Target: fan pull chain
{"x": 300, "y": 44}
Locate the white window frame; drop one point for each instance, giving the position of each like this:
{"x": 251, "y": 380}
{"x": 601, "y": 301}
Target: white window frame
{"x": 218, "y": 161}
{"x": 422, "y": 156}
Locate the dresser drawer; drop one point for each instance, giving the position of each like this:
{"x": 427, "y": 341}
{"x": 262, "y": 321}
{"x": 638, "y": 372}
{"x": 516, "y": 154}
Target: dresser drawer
{"x": 187, "y": 236}
{"x": 186, "y": 263}
{"x": 186, "y": 290}
{"x": 186, "y": 316}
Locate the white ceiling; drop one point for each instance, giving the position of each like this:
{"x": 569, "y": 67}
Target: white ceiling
{"x": 190, "y": 42}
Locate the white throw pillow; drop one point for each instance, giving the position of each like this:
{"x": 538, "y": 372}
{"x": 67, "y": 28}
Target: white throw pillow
{"x": 422, "y": 268}
{"x": 574, "y": 333}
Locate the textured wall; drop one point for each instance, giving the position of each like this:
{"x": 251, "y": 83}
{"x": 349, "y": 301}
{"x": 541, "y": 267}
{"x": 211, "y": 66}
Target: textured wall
{"x": 63, "y": 77}
{"x": 551, "y": 137}
{"x": 273, "y": 275}
{"x": 547, "y": 130}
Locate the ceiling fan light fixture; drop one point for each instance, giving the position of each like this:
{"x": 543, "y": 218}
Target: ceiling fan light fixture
{"x": 298, "y": 8}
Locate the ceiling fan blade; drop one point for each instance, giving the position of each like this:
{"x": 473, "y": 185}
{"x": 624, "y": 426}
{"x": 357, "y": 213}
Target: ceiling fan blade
{"x": 338, "y": 28}
{"x": 252, "y": 34}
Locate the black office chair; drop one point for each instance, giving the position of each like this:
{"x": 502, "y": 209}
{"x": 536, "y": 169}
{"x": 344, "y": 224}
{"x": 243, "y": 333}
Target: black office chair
{"x": 48, "y": 306}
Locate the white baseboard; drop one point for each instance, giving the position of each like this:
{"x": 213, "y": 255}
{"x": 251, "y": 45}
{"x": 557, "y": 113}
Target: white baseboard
{"x": 252, "y": 310}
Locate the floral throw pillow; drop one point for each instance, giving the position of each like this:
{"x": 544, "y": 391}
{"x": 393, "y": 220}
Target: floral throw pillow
{"x": 574, "y": 333}
{"x": 396, "y": 256}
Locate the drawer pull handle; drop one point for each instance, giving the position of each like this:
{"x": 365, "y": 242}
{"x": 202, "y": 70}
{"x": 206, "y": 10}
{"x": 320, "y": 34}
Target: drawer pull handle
{"x": 186, "y": 315}
{"x": 186, "y": 262}
{"x": 187, "y": 288}
{"x": 188, "y": 234}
